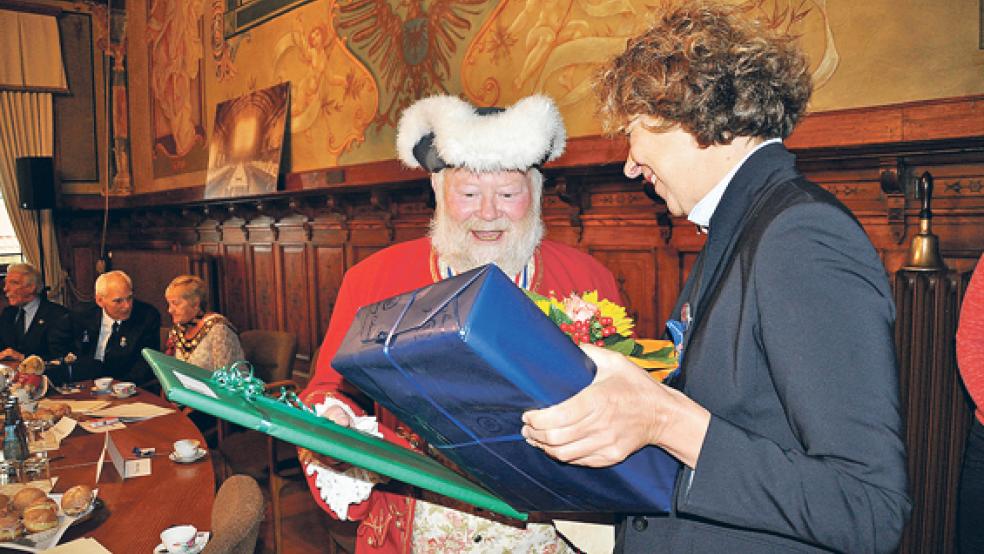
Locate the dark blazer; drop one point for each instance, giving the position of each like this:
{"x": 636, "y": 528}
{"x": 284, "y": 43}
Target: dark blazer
{"x": 122, "y": 359}
{"x": 49, "y": 335}
{"x": 791, "y": 349}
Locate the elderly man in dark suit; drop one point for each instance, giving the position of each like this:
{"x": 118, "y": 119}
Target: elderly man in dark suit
{"x": 31, "y": 324}
{"x": 109, "y": 335}
{"x": 787, "y": 417}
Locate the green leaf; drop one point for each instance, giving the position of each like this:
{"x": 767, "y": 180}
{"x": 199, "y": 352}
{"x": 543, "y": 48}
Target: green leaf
{"x": 665, "y": 353}
{"x": 623, "y": 346}
{"x": 558, "y": 316}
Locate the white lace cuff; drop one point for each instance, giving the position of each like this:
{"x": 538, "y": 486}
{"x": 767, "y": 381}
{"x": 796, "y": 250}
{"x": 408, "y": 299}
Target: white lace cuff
{"x": 341, "y": 489}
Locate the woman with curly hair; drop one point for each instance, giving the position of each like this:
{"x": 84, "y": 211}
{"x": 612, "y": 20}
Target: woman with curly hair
{"x": 785, "y": 411}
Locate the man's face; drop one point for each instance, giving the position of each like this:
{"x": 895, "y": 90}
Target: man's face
{"x": 486, "y": 218}
{"x": 19, "y": 289}
{"x": 117, "y": 300}
{"x": 671, "y": 161}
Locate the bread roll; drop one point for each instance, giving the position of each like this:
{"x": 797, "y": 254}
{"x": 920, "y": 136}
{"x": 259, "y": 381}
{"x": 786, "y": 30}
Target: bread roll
{"x": 40, "y": 517}
{"x": 26, "y": 496}
{"x": 46, "y": 501}
{"x": 10, "y": 527}
{"x": 5, "y": 505}
{"x": 76, "y": 500}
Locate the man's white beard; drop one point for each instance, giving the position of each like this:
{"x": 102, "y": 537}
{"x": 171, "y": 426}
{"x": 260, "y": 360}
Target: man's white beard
{"x": 458, "y": 248}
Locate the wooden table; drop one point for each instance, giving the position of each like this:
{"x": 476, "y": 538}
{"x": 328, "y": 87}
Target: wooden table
{"x": 136, "y": 510}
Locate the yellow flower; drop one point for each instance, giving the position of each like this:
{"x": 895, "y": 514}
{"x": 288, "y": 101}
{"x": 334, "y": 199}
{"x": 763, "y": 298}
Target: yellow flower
{"x": 622, "y": 322}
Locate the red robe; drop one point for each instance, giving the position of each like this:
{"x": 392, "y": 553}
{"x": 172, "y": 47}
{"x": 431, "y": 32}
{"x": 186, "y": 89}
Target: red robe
{"x": 387, "y": 517}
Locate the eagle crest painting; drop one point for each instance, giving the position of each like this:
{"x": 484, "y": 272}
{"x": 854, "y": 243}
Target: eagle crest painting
{"x": 409, "y": 46}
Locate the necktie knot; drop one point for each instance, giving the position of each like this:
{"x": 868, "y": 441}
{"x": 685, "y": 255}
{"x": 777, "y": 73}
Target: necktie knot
{"x": 116, "y": 327}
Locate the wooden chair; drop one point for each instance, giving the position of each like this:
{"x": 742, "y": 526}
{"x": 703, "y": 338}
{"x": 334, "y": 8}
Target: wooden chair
{"x": 236, "y": 516}
{"x": 287, "y": 470}
{"x": 272, "y": 355}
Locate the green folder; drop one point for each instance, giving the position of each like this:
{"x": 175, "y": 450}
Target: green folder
{"x": 190, "y": 385}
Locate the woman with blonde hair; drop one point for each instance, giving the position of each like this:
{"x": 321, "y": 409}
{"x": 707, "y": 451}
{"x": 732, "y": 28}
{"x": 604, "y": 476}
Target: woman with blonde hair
{"x": 205, "y": 339}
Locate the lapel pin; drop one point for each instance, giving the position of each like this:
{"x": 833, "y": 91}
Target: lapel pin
{"x": 122, "y": 342}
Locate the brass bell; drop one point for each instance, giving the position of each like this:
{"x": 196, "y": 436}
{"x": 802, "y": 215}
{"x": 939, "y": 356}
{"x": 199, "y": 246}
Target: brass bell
{"x": 924, "y": 252}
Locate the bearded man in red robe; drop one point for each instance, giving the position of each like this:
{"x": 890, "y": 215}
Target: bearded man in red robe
{"x": 484, "y": 166}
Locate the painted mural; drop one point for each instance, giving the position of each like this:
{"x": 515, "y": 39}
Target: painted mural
{"x": 175, "y": 54}
{"x": 354, "y": 65}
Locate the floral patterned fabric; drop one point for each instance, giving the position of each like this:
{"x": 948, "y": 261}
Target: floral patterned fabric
{"x": 218, "y": 347}
{"x": 441, "y": 530}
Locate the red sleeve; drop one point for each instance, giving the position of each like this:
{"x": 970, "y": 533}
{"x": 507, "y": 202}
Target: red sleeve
{"x": 970, "y": 339}
{"x": 369, "y": 281}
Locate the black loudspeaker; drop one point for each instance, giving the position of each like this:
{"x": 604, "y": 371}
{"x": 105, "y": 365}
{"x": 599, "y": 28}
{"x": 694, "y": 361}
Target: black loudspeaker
{"x": 36, "y": 182}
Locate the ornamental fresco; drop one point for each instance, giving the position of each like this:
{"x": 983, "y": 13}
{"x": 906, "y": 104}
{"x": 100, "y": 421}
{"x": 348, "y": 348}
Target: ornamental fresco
{"x": 354, "y": 65}
{"x": 555, "y": 46}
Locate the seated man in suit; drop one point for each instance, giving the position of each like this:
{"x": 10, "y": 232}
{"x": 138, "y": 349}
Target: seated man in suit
{"x": 110, "y": 334}
{"x": 31, "y": 324}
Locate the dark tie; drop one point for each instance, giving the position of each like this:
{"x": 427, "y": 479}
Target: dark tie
{"x": 19, "y": 323}
{"x": 114, "y": 337}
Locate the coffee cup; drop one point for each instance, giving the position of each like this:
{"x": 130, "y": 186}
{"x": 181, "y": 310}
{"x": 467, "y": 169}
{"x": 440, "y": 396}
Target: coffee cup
{"x": 179, "y": 539}
{"x": 103, "y": 383}
{"x": 186, "y": 448}
{"x": 124, "y": 388}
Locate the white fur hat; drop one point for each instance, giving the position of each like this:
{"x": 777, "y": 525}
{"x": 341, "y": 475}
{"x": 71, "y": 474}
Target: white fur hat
{"x": 445, "y": 131}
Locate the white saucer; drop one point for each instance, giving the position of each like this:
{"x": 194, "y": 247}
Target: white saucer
{"x": 201, "y": 539}
{"x": 96, "y": 390}
{"x": 198, "y": 456}
{"x": 121, "y": 396}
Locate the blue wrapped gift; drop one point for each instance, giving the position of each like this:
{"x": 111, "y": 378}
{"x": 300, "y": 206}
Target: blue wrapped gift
{"x": 459, "y": 361}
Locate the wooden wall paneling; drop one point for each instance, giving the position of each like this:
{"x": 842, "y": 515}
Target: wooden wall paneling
{"x": 297, "y": 289}
{"x": 636, "y": 274}
{"x": 329, "y": 266}
{"x": 265, "y": 300}
{"x": 236, "y": 286}
{"x": 83, "y": 270}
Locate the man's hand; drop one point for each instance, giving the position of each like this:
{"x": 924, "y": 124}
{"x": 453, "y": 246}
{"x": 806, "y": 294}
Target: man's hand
{"x": 621, "y": 411}
{"x": 337, "y": 415}
{"x": 11, "y": 354}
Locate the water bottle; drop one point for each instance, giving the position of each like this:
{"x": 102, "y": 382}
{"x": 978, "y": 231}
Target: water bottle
{"x": 15, "y": 447}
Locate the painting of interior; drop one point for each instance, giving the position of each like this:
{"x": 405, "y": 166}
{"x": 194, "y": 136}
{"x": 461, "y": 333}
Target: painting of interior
{"x": 245, "y": 149}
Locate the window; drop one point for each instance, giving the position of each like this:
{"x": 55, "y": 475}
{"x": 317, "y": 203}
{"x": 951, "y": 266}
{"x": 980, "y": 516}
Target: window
{"x": 10, "y": 249}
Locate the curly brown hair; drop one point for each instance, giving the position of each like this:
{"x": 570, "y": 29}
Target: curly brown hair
{"x": 713, "y": 72}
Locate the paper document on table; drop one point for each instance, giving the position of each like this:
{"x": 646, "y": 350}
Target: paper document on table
{"x": 51, "y": 438}
{"x": 103, "y": 425}
{"x": 44, "y": 484}
{"x": 77, "y": 406}
{"x": 133, "y": 412}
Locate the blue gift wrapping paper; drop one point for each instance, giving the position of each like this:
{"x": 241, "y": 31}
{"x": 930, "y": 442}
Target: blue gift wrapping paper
{"x": 459, "y": 361}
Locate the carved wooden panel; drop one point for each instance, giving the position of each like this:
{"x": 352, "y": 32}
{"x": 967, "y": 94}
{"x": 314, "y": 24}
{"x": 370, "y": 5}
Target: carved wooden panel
{"x": 329, "y": 267}
{"x": 297, "y": 299}
{"x": 635, "y": 273}
{"x": 266, "y": 291}
{"x": 235, "y": 304}
{"x": 151, "y": 272}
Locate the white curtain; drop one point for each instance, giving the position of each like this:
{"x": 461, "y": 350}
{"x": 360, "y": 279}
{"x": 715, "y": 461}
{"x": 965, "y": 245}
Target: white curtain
{"x": 27, "y": 129}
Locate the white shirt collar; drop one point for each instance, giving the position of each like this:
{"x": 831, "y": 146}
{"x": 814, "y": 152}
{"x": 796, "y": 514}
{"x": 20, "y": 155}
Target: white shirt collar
{"x": 703, "y": 210}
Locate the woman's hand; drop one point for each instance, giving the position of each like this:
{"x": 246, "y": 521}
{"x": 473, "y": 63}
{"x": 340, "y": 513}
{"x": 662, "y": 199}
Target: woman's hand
{"x": 621, "y": 411}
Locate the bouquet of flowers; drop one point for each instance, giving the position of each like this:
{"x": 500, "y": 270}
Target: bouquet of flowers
{"x": 587, "y": 318}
